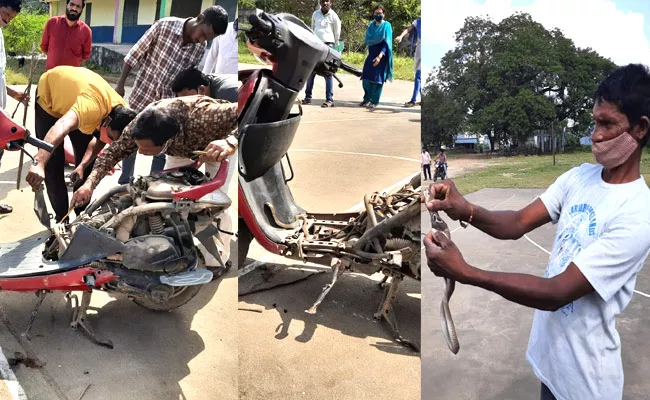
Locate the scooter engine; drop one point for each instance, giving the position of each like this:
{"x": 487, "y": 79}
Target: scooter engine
{"x": 154, "y": 253}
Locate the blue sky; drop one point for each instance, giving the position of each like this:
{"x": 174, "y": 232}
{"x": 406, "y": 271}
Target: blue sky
{"x": 616, "y": 29}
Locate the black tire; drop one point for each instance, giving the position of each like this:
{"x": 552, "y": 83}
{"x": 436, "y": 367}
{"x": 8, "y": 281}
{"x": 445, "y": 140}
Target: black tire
{"x": 244, "y": 239}
{"x": 182, "y": 295}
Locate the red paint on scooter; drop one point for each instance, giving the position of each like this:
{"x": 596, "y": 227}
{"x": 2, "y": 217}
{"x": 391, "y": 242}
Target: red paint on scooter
{"x": 196, "y": 192}
{"x": 63, "y": 281}
{"x": 246, "y": 213}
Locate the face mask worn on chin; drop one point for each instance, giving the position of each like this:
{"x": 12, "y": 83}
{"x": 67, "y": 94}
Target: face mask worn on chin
{"x": 103, "y": 135}
{"x": 378, "y": 18}
{"x": 614, "y": 152}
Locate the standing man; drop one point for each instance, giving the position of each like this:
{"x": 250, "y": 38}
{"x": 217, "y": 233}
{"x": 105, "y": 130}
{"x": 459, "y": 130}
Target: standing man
{"x": 170, "y": 46}
{"x": 425, "y": 160}
{"x": 223, "y": 57}
{"x": 417, "y": 86}
{"x": 8, "y": 11}
{"x": 74, "y": 102}
{"x": 602, "y": 240}
{"x": 67, "y": 40}
{"x": 327, "y": 26}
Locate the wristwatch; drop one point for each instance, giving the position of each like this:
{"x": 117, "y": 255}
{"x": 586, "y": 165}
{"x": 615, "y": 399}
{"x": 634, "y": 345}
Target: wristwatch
{"x": 233, "y": 141}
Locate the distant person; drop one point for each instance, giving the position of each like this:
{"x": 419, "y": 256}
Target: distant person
{"x": 327, "y": 27}
{"x": 425, "y": 160}
{"x": 378, "y": 67}
{"x": 223, "y": 56}
{"x": 442, "y": 157}
{"x": 601, "y": 242}
{"x": 168, "y": 47}
{"x": 417, "y": 84}
{"x": 67, "y": 40}
{"x": 8, "y": 11}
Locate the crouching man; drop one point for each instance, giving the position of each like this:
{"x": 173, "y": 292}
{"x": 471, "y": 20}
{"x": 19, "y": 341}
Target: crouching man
{"x": 176, "y": 127}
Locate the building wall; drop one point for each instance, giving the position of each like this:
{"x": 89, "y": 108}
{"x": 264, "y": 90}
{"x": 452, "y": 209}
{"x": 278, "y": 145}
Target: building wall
{"x": 147, "y": 12}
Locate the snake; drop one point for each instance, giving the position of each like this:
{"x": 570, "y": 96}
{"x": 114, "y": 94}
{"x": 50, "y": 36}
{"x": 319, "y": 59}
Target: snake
{"x": 446, "y": 321}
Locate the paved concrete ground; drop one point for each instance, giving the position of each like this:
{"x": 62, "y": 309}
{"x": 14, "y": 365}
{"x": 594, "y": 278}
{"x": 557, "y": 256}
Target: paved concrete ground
{"x": 493, "y": 332}
{"x": 339, "y": 154}
{"x": 189, "y": 353}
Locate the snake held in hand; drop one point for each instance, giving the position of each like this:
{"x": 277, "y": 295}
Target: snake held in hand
{"x": 447, "y": 323}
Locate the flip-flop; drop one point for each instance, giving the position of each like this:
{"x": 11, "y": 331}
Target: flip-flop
{"x": 5, "y": 209}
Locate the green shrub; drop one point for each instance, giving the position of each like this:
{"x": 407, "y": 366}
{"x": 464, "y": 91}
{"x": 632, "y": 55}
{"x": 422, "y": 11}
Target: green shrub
{"x": 23, "y": 31}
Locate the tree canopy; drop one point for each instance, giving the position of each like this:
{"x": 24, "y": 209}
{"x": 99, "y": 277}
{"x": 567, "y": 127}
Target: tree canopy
{"x": 512, "y": 78}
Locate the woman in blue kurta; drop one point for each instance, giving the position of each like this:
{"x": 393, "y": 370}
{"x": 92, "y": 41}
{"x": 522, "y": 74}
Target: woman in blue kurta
{"x": 378, "y": 67}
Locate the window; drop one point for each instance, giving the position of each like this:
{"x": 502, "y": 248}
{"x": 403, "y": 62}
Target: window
{"x": 130, "y": 17}
{"x": 186, "y": 8}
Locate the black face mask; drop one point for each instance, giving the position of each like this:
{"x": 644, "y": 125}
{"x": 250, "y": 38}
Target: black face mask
{"x": 379, "y": 17}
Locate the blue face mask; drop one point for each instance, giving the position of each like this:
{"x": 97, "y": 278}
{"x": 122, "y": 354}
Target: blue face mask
{"x": 379, "y": 17}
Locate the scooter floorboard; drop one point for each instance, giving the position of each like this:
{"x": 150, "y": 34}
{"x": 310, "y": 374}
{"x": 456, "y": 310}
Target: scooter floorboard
{"x": 24, "y": 258}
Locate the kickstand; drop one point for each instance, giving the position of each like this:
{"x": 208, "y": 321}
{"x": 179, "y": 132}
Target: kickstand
{"x": 386, "y": 311}
{"x": 41, "y": 296}
{"x": 337, "y": 271}
{"x": 79, "y": 319}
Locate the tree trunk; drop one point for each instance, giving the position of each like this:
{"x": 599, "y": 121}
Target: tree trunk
{"x": 553, "y": 140}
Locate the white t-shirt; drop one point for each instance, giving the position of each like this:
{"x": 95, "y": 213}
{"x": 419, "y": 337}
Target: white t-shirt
{"x": 327, "y": 27}
{"x": 604, "y": 229}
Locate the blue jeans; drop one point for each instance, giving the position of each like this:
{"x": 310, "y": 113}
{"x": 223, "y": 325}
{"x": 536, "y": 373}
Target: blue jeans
{"x": 417, "y": 89}
{"x": 545, "y": 393}
{"x": 128, "y": 166}
{"x": 329, "y": 87}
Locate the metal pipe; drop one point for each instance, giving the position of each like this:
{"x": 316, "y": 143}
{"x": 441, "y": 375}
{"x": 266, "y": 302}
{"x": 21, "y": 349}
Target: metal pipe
{"x": 138, "y": 210}
{"x": 99, "y": 202}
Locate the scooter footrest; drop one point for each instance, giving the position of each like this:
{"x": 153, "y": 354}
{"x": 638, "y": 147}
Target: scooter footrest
{"x": 24, "y": 258}
{"x": 198, "y": 276}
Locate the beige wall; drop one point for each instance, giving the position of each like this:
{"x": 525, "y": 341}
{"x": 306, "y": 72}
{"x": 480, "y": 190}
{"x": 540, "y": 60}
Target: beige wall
{"x": 206, "y": 4}
{"x": 103, "y": 13}
{"x": 146, "y": 12}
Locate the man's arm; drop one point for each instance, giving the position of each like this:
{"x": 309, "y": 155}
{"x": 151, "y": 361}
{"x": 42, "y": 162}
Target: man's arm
{"x": 94, "y": 147}
{"x": 116, "y": 152}
{"x": 45, "y": 39}
{"x": 63, "y": 126}
{"x": 87, "y": 48}
{"x": 137, "y": 53}
{"x": 337, "y": 30}
{"x": 211, "y": 58}
{"x": 534, "y": 291}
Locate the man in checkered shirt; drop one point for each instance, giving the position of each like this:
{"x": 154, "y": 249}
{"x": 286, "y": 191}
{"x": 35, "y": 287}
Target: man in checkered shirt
{"x": 170, "y": 46}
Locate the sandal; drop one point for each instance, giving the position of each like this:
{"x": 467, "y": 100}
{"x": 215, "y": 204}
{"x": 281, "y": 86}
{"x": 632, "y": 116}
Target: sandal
{"x": 328, "y": 103}
{"x": 409, "y": 104}
{"x": 5, "y": 209}
{"x": 306, "y": 101}
{"x": 364, "y": 104}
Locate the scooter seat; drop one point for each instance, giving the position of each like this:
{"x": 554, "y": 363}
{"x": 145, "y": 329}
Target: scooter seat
{"x": 24, "y": 258}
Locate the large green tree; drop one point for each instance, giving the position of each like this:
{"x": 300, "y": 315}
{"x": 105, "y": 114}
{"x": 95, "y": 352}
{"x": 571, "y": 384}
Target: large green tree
{"x": 442, "y": 116}
{"x": 516, "y": 77}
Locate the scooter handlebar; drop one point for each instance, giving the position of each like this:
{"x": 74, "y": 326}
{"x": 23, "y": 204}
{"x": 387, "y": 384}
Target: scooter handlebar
{"x": 260, "y": 25}
{"x": 350, "y": 68}
{"x": 39, "y": 143}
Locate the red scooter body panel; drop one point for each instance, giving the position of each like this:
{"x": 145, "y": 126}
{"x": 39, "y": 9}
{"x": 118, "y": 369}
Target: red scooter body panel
{"x": 63, "y": 281}
{"x": 10, "y": 131}
{"x": 199, "y": 191}
{"x": 246, "y": 213}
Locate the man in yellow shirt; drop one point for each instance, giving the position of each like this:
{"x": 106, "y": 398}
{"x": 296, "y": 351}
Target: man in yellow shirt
{"x": 74, "y": 102}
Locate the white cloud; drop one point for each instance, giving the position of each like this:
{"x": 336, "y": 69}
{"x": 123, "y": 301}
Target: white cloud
{"x": 597, "y": 24}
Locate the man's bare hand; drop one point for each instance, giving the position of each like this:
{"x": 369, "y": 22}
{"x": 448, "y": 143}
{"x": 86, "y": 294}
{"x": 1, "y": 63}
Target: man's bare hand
{"x": 443, "y": 257}
{"x": 77, "y": 174}
{"x": 445, "y": 197}
{"x": 217, "y": 151}
{"x": 35, "y": 176}
{"x": 22, "y": 98}
{"x": 120, "y": 89}
{"x": 82, "y": 195}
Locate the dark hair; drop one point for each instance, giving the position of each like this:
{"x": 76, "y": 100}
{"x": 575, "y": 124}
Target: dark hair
{"x": 13, "y": 4}
{"x": 120, "y": 117}
{"x": 190, "y": 78}
{"x": 628, "y": 88}
{"x": 155, "y": 124}
{"x": 217, "y": 18}
{"x": 377, "y": 7}
{"x": 83, "y": 3}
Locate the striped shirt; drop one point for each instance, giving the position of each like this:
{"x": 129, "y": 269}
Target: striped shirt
{"x": 202, "y": 119}
{"x": 161, "y": 55}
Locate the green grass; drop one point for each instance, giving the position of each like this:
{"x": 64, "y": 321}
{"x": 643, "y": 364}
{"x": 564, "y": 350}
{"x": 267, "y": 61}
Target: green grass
{"x": 403, "y": 67}
{"x": 528, "y": 172}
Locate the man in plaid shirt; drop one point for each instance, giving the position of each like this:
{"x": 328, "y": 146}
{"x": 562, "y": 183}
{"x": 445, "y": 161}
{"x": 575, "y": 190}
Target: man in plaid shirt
{"x": 170, "y": 46}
